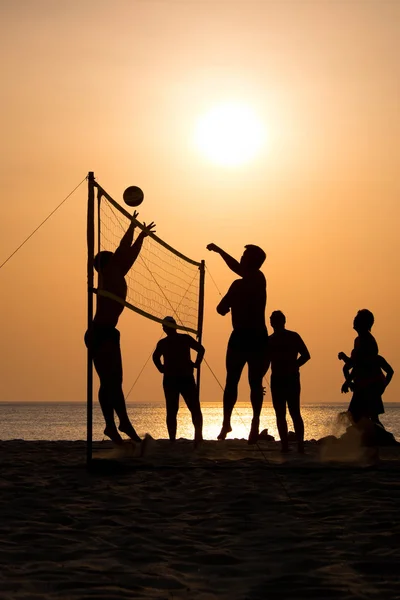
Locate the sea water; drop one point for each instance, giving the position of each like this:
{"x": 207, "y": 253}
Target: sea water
{"x": 67, "y": 420}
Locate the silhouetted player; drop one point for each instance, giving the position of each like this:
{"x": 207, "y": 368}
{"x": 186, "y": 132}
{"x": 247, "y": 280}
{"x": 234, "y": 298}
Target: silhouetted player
{"x": 363, "y": 371}
{"x": 288, "y": 353}
{"x": 386, "y": 375}
{"x": 104, "y": 338}
{"x": 248, "y": 343}
{"x": 177, "y": 368}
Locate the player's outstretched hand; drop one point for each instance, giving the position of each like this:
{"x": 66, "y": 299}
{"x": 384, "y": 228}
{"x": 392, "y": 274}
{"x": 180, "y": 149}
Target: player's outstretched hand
{"x": 212, "y": 247}
{"x": 150, "y": 228}
{"x": 135, "y": 214}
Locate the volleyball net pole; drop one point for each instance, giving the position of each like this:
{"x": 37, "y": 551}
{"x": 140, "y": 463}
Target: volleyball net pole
{"x": 202, "y": 269}
{"x": 90, "y": 285}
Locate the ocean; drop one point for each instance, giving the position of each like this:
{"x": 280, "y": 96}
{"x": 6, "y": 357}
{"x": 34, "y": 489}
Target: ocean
{"x": 67, "y": 421}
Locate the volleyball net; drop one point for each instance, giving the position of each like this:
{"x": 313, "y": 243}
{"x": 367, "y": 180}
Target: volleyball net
{"x": 162, "y": 281}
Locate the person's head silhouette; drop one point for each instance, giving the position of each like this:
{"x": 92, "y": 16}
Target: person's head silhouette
{"x": 252, "y": 258}
{"x": 277, "y": 320}
{"x": 363, "y": 320}
{"x": 102, "y": 259}
{"x": 167, "y": 325}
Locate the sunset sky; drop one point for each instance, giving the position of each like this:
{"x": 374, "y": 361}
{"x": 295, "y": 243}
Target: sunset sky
{"x": 123, "y": 88}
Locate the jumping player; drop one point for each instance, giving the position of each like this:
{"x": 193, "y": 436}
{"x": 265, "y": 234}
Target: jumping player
{"x": 246, "y": 300}
{"x": 104, "y": 338}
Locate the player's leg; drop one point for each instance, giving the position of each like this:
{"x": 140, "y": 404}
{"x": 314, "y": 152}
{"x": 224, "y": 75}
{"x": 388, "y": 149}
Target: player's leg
{"x": 258, "y": 363}
{"x": 375, "y": 404}
{"x": 190, "y": 395}
{"x": 125, "y": 424}
{"x": 171, "y": 392}
{"x": 114, "y": 392}
{"x": 103, "y": 359}
{"x": 256, "y": 396}
{"x": 293, "y": 401}
{"x": 278, "y": 393}
{"x": 356, "y": 408}
{"x": 235, "y": 361}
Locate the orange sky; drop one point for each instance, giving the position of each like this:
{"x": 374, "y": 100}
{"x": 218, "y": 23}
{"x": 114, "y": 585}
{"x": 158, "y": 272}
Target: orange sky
{"x": 118, "y": 87}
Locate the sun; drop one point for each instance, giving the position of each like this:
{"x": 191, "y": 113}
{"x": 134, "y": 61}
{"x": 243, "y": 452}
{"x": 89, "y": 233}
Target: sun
{"x": 229, "y": 134}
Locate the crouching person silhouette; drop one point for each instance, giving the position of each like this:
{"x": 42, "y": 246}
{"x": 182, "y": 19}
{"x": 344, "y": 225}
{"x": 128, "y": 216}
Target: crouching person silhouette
{"x": 177, "y": 368}
{"x": 104, "y": 338}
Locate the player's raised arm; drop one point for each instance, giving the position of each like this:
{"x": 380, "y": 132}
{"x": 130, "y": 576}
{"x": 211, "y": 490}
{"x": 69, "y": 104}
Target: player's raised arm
{"x": 127, "y": 238}
{"x": 232, "y": 263}
{"x": 131, "y": 253}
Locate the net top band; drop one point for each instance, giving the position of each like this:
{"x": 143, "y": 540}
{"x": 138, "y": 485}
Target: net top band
{"x": 102, "y": 192}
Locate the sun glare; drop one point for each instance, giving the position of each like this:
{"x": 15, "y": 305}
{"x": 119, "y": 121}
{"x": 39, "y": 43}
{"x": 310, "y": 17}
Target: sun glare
{"x": 229, "y": 134}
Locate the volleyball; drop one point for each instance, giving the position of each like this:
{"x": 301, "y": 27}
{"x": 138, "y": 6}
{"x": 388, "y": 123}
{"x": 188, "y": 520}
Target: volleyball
{"x": 133, "y": 196}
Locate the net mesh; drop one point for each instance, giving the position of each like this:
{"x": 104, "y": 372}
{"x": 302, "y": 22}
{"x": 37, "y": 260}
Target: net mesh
{"x": 161, "y": 281}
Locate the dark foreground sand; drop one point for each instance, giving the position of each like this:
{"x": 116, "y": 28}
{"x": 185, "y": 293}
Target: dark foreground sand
{"x": 226, "y": 521}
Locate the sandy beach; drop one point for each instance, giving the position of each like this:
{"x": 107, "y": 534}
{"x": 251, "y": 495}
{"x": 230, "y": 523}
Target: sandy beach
{"x": 225, "y": 521}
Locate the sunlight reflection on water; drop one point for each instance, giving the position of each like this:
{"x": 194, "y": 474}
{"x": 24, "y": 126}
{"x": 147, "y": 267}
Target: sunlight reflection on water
{"x": 67, "y": 421}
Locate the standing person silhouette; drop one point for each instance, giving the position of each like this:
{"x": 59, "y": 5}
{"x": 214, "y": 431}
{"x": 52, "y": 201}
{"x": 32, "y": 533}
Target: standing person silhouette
{"x": 363, "y": 371}
{"x": 246, "y": 300}
{"x": 177, "y": 368}
{"x": 104, "y": 338}
{"x": 288, "y": 353}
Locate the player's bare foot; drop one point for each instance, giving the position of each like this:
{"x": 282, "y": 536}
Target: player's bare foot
{"x": 113, "y": 434}
{"x": 253, "y": 437}
{"x": 130, "y": 431}
{"x": 224, "y": 432}
{"x": 254, "y": 431}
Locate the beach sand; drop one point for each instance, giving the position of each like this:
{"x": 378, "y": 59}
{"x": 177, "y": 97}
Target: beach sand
{"x": 227, "y": 520}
